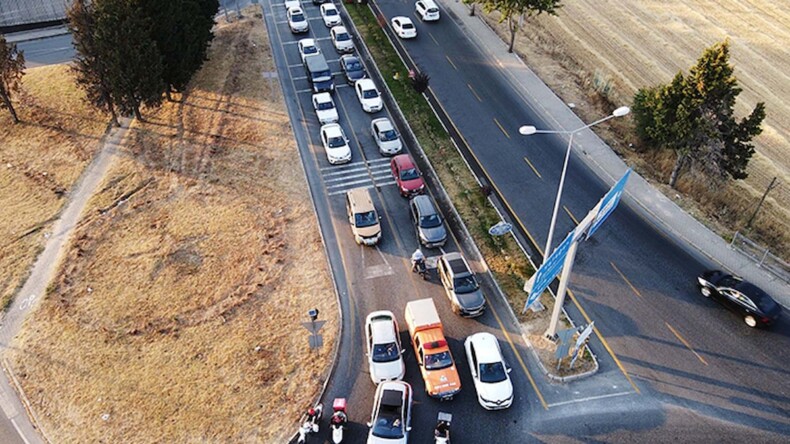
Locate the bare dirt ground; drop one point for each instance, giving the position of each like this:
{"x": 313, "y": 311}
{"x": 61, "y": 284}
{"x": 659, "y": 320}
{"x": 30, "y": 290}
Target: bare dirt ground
{"x": 609, "y": 48}
{"x": 176, "y": 313}
{"x": 40, "y": 159}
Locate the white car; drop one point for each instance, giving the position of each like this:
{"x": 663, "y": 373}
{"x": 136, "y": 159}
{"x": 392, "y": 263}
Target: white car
{"x": 387, "y": 139}
{"x": 297, "y": 21}
{"x": 390, "y": 420}
{"x": 427, "y": 10}
{"x": 335, "y": 144}
{"x": 307, "y": 47}
{"x": 368, "y": 95}
{"x": 341, "y": 39}
{"x": 330, "y": 15}
{"x": 325, "y": 108}
{"x": 404, "y": 27}
{"x": 292, "y": 4}
{"x": 489, "y": 371}
{"x": 385, "y": 356}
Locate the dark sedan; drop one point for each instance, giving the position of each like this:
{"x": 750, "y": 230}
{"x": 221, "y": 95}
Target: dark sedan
{"x": 352, "y": 68}
{"x": 743, "y": 298}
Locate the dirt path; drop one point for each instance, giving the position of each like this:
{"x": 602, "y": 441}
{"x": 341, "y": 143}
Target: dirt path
{"x": 44, "y": 268}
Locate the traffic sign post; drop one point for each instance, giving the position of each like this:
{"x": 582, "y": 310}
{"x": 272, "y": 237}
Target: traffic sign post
{"x": 547, "y": 272}
{"x": 583, "y": 336}
{"x": 315, "y": 340}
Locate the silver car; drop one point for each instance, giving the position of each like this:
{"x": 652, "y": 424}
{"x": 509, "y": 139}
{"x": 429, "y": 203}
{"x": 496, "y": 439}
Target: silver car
{"x": 387, "y": 139}
{"x": 460, "y": 285}
{"x": 427, "y": 222}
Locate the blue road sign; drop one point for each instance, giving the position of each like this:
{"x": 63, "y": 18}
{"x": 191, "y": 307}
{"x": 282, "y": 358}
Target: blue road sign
{"x": 549, "y": 270}
{"x": 608, "y": 203}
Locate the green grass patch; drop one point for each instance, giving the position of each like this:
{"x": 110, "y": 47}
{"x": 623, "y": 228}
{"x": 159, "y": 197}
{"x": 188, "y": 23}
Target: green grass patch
{"x": 505, "y": 259}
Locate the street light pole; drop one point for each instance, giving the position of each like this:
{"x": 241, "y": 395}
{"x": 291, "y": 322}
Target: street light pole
{"x": 528, "y": 130}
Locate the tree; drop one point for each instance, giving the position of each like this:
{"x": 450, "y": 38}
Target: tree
{"x": 514, "y": 10}
{"x": 12, "y": 67}
{"x": 89, "y": 67}
{"x": 182, "y": 32}
{"x": 693, "y": 116}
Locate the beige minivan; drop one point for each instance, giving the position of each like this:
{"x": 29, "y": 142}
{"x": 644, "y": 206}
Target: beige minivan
{"x": 363, "y": 217}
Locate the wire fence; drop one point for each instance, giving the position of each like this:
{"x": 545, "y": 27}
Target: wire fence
{"x": 22, "y": 12}
{"x": 762, "y": 256}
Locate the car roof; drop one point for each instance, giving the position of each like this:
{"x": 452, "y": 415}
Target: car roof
{"x": 403, "y": 161}
{"x": 383, "y": 330}
{"x": 323, "y": 97}
{"x": 332, "y": 129}
{"x": 456, "y": 262}
{"x": 383, "y": 124}
{"x": 366, "y": 84}
{"x": 486, "y": 348}
{"x": 295, "y": 9}
{"x": 349, "y": 57}
{"x": 423, "y": 204}
{"x": 755, "y": 293}
{"x": 392, "y": 398}
{"x": 338, "y": 28}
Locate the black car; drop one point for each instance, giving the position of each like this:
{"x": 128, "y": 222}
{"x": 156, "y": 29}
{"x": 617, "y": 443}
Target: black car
{"x": 756, "y": 307}
{"x": 352, "y": 68}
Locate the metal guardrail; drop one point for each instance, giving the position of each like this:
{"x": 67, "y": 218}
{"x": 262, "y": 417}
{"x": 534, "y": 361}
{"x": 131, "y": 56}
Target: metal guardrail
{"x": 762, "y": 255}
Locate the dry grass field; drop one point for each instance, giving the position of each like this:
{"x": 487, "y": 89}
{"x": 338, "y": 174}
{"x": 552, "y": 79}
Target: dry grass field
{"x": 40, "y": 159}
{"x": 176, "y": 314}
{"x": 611, "y": 48}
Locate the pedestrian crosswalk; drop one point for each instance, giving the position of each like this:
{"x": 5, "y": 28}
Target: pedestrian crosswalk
{"x": 362, "y": 174}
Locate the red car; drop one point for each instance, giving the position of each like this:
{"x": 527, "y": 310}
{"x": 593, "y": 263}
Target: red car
{"x": 407, "y": 176}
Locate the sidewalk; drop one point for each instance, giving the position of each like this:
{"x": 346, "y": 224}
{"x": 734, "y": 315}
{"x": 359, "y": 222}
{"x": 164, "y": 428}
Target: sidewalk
{"x": 24, "y": 36}
{"x": 697, "y": 239}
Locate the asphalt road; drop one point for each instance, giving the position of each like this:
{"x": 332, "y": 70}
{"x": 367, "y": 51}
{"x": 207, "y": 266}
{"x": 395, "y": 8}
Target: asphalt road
{"x": 47, "y": 51}
{"x": 639, "y": 286}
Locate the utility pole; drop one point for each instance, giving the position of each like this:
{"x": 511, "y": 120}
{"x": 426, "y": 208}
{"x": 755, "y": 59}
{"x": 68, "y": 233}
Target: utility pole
{"x": 771, "y": 186}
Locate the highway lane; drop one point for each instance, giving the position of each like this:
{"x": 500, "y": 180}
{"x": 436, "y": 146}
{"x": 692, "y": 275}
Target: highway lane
{"x": 379, "y": 278}
{"x": 685, "y": 350}
{"x": 47, "y": 51}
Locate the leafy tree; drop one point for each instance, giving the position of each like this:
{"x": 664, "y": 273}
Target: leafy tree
{"x": 693, "y": 116}
{"x": 12, "y": 66}
{"x": 182, "y": 31}
{"x": 514, "y": 10}
{"x": 91, "y": 71}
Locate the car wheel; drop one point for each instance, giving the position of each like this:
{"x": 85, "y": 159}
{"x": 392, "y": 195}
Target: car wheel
{"x": 750, "y": 321}
{"x": 705, "y": 291}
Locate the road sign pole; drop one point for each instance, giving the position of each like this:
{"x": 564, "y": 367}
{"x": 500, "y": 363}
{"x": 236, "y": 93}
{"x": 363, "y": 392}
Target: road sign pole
{"x": 551, "y": 332}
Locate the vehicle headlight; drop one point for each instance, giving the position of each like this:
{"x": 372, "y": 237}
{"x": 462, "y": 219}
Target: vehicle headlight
{"x": 404, "y": 189}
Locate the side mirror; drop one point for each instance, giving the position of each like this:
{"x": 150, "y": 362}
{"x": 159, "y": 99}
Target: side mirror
{"x": 369, "y": 424}
{"x": 408, "y": 429}
{"x": 509, "y": 369}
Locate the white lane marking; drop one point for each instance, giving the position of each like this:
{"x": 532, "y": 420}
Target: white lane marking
{"x": 350, "y": 176}
{"x": 375, "y": 271}
{"x": 345, "y": 171}
{"x": 346, "y": 166}
{"x": 590, "y": 398}
{"x": 345, "y": 185}
{"x": 19, "y": 431}
{"x": 335, "y": 193}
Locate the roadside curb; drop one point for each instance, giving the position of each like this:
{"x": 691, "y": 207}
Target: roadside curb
{"x": 32, "y": 35}
{"x": 31, "y": 413}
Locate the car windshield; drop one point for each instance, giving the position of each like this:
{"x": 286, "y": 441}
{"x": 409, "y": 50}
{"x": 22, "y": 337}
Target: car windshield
{"x": 433, "y": 10}
{"x": 368, "y": 219}
{"x": 385, "y": 352}
{"x": 353, "y": 65}
{"x": 388, "y": 135}
{"x": 492, "y": 372}
{"x": 330, "y": 11}
{"x": 388, "y": 424}
{"x": 370, "y": 93}
{"x": 321, "y": 74}
{"x": 336, "y": 142}
{"x": 728, "y": 281}
{"x": 438, "y": 361}
{"x": 342, "y": 37}
{"x": 408, "y": 26}
{"x": 297, "y": 17}
{"x": 322, "y": 106}
{"x": 409, "y": 174}
{"x": 430, "y": 221}
{"x": 466, "y": 284}
{"x": 309, "y": 49}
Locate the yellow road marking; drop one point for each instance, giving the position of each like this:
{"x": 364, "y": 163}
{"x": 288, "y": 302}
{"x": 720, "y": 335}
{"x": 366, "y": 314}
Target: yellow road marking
{"x": 451, "y": 62}
{"x": 603, "y": 341}
{"x": 474, "y": 92}
{"x": 434, "y": 40}
{"x": 626, "y": 280}
{"x": 518, "y": 355}
{"x": 677, "y": 335}
{"x": 501, "y": 128}
{"x": 535, "y": 170}
{"x": 570, "y": 214}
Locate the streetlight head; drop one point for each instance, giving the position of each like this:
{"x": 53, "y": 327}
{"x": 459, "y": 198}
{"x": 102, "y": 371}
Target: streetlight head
{"x": 622, "y": 111}
{"x": 527, "y": 130}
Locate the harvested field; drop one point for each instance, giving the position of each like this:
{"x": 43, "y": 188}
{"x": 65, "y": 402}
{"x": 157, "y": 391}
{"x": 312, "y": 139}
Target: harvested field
{"x": 597, "y": 53}
{"x": 176, "y": 314}
{"x": 40, "y": 160}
